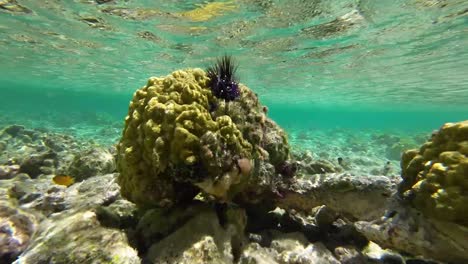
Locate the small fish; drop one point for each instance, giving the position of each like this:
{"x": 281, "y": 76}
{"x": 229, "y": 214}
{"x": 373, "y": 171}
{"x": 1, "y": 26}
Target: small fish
{"x": 63, "y": 180}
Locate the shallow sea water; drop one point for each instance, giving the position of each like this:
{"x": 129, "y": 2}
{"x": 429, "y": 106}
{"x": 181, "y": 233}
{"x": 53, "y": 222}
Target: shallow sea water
{"x": 330, "y": 72}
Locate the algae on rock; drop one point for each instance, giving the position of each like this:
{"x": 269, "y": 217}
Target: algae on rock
{"x": 179, "y": 139}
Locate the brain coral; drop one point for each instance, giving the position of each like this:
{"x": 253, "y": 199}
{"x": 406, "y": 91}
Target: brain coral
{"x": 436, "y": 175}
{"x": 179, "y": 140}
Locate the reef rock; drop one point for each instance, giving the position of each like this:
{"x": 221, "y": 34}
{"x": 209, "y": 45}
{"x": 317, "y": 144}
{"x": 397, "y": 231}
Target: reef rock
{"x": 45, "y": 197}
{"x": 70, "y": 225}
{"x": 36, "y": 153}
{"x": 8, "y": 171}
{"x": 405, "y": 229}
{"x": 206, "y": 237}
{"x": 16, "y": 230}
{"x": 288, "y": 248}
{"x": 158, "y": 223}
{"x": 91, "y": 162}
{"x": 179, "y": 139}
{"x": 78, "y": 238}
{"x": 357, "y": 197}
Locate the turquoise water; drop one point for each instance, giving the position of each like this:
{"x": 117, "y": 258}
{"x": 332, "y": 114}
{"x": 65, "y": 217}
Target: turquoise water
{"x": 394, "y": 66}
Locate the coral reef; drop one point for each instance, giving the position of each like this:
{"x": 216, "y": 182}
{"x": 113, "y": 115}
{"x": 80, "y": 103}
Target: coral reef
{"x": 321, "y": 218}
{"x": 435, "y": 177}
{"x": 179, "y": 139}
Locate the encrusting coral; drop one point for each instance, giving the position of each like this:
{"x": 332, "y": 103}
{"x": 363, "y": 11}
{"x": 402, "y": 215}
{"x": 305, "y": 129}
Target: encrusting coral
{"x": 435, "y": 177}
{"x": 180, "y": 139}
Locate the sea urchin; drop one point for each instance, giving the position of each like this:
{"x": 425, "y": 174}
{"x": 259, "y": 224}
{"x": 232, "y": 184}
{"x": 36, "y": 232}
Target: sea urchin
{"x": 223, "y": 80}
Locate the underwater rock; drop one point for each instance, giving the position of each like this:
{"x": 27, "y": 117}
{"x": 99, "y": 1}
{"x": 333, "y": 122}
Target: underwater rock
{"x": 287, "y": 248}
{"x": 69, "y": 229}
{"x": 179, "y": 139}
{"x": 320, "y": 167}
{"x": 308, "y": 165}
{"x": 95, "y": 191}
{"x": 255, "y": 253}
{"x": 91, "y": 162}
{"x": 120, "y": 214}
{"x": 324, "y": 216}
{"x": 77, "y": 237}
{"x": 207, "y": 237}
{"x": 13, "y": 130}
{"x": 157, "y": 223}
{"x": 43, "y": 196}
{"x": 404, "y": 229}
{"x": 435, "y": 177}
{"x": 349, "y": 255}
{"x": 376, "y": 254}
{"x": 343, "y": 233}
{"x": 8, "y": 171}
{"x": 38, "y": 152}
{"x": 36, "y": 164}
{"x": 318, "y": 225}
{"x": 291, "y": 221}
{"x": 39, "y": 195}
{"x": 312, "y": 253}
{"x": 16, "y": 229}
{"x": 344, "y": 193}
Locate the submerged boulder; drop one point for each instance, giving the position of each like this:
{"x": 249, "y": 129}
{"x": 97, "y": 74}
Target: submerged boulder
{"x": 179, "y": 138}
{"x": 78, "y": 237}
{"x": 16, "y": 229}
{"x": 91, "y": 162}
{"x": 205, "y": 236}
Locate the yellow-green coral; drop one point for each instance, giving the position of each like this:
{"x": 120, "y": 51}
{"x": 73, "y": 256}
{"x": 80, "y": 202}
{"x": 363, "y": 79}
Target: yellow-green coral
{"x": 437, "y": 174}
{"x": 178, "y": 138}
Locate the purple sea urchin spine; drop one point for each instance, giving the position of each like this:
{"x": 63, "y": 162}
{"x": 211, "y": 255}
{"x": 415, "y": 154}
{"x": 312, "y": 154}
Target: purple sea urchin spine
{"x": 223, "y": 80}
